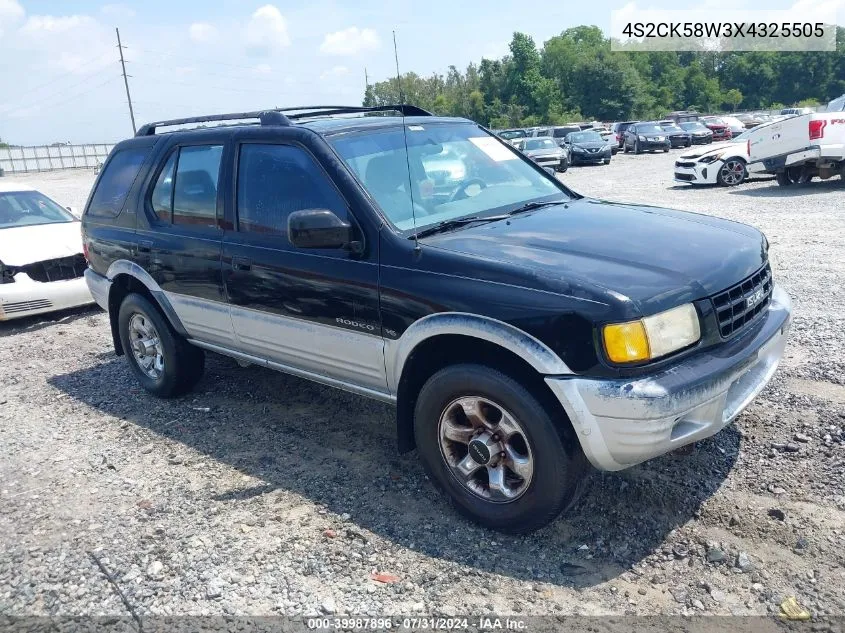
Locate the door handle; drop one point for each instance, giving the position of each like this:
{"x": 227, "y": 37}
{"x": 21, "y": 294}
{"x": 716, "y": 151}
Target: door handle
{"x": 145, "y": 246}
{"x": 241, "y": 263}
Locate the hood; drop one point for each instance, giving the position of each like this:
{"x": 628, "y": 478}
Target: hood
{"x": 591, "y": 144}
{"x": 652, "y": 259}
{"x": 715, "y": 148}
{"x": 24, "y": 245}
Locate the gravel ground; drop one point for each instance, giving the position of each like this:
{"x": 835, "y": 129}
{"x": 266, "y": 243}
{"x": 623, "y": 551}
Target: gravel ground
{"x": 251, "y": 495}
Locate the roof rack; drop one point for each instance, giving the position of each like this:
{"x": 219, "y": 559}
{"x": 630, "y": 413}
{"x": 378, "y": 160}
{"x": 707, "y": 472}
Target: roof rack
{"x": 265, "y": 117}
{"x": 276, "y": 116}
{"x": 312, "y": 111}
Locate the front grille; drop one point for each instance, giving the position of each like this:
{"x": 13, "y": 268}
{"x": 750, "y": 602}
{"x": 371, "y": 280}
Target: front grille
{"x": 739, "y": 306}
{"x": 60, "y": 269}
{"x": 684, "y": 164}
{"x": 689, "y": 177}
{"x": 24, "y": 306}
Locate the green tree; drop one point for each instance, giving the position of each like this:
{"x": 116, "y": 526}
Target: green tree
{"x": 732, "y": 98}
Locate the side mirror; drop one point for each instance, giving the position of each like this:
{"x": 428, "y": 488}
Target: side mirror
{"x": 551, "y": 171}
{"x": 320, "y": 228}
{"x": 75, "y": 212}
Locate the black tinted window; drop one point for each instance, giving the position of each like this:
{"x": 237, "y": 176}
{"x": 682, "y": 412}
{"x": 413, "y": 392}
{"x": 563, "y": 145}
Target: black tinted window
{"x": 195, "y": 188}
{"x": 162, "y": 196}
{"x": 275, "y": 180}
{"x": 116, "y": 180}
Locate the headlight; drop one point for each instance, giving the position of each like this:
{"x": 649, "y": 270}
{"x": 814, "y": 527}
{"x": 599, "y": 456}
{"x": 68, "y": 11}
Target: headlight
{"x": 642, "y": 138}
{"x": 652, "y": 337}
{"x": 710, "y": 158}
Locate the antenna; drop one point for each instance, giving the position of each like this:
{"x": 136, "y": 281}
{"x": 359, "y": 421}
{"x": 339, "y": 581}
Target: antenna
{"x": 405, "y": 137}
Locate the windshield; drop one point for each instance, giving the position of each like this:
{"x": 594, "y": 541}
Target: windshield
{"x": 25, "y": 208}
{"x": 448, "y": 172}
{"x": 741, "y": 138}
{"x": 585, "y": 137}
{"x": 693, "y": 126}
{"x": 539, "y": 143}
{"x": 671, "y": 128}
{"x": 649, "y": 129}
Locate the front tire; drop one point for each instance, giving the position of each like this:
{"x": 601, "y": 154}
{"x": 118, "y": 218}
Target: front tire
{"x": 165, "y": 364}
{"x": 637, "y": 149}
{"x": 732, "y": 173}
{"x": 495, "y": 449}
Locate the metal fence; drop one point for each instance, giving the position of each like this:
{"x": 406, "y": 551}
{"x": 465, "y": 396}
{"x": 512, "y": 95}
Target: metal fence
{"x": 17, "y": 160}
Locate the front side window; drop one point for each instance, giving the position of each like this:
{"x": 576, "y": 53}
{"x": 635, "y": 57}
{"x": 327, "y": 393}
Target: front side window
{"x": 116, "y": 180}
{"x": 25, "y": 208}
{"x": 274, "y": 181}
{"x": 448, "y": 171}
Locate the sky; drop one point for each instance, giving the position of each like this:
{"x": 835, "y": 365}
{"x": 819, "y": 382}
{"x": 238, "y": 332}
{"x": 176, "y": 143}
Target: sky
{"x": 60, "y": 72}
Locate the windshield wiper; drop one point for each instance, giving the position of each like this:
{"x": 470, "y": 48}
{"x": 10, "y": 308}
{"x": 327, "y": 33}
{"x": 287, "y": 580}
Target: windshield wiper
{"x": 530, "y": 206}
{"x": 448, "y": 225}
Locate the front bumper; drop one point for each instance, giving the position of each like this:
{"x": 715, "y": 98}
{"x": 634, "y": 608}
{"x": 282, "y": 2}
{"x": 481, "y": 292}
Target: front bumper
{"x": 555, "y": 162}
{"x": 623, "y": 422}
{"x": 648, "y": 146}
{"x": 697, "y": 173}
{"x": 701, "y": 140}
{"x": 27, "y": 297}
{"x": 589, "y": 157}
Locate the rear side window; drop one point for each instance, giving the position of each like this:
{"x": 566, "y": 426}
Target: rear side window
{"x": 185, "y": 191}
{"x": 274, "y": 181}
{"x": 116, "y": 181}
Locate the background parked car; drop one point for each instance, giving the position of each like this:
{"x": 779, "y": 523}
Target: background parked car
{"x": 678, "y": 137}
{"x": 699, "y": 133}
{"x": 41, "y": 260}
{"x": 644, "y": 137}
{"x": 545, "y": 152}
{"x": 723, "y": 163}
{"x": 588, "y": 147}
{"x": 721, "y": 130}
{"x": 557, "y": 132}
{"x": 511, "y": 136}
{"x": 619, "y": 128}
{"x": 683, "y": 116}
{"x": 736, "y": 126}
{"x": 796, "y": 111}
{"x": 608, "y": 137}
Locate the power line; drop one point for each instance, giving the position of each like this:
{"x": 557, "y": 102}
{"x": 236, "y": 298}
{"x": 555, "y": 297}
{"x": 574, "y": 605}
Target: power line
{"x": 195, "y": 85}
{"x": 51, "y": 83}
{"x": 191, "y": 59}
{"x": 80, "y": 94}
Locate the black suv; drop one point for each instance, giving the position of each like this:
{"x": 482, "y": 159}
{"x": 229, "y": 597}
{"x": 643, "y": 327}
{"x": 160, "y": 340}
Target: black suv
{"x": 523, "y": 331}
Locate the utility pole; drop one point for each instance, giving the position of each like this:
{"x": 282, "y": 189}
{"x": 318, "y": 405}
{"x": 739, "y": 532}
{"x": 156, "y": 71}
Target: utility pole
{"x": 125, "y": 81}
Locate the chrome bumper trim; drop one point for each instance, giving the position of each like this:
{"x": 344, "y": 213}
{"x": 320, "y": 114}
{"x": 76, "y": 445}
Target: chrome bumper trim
{"x": 623, "y": 422}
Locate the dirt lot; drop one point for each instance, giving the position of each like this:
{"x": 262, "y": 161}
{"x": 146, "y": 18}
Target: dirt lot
{"x": 262, "y": 493}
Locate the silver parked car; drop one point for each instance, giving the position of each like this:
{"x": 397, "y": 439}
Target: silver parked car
{"x": 545, "y": 152}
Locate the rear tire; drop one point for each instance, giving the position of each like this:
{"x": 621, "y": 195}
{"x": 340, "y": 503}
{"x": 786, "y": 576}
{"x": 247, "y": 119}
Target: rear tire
{"x": 165, "y": 364}
{"x": 792, "y": 176}
{"x": 552, "y": 464}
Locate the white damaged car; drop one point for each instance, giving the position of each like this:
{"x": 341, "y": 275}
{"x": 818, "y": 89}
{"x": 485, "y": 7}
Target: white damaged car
{"x": 41, "y": 260}
{"x": 717, "y": 164}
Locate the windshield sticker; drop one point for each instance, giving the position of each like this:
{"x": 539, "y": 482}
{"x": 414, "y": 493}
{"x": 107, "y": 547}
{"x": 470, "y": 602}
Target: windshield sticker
{"x": 494, "y": 149}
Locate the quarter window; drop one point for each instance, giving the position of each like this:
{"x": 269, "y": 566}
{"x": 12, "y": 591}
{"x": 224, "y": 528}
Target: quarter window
{"x": 274, "y": 181}
{"x": 116, "y": 181}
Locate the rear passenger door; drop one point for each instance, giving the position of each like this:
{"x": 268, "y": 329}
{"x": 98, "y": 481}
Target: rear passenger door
{"x": 181, "y": 250}
{"x": 313, "y": 310}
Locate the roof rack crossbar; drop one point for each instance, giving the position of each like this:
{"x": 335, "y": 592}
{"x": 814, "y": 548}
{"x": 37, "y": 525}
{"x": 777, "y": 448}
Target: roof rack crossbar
{"x": 265, "y": 117}
{"x": 276, "y": 116}
{"x": 310, "y": 111}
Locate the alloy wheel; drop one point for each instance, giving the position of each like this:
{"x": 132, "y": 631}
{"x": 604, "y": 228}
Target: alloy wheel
{"x": 146, "y": 345}
{"x": 485, "y": 449}
{"x": 732, "y": 172}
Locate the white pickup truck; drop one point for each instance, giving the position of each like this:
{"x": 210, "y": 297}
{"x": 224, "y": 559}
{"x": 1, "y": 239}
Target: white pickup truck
{"x": 799, "y": 148}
